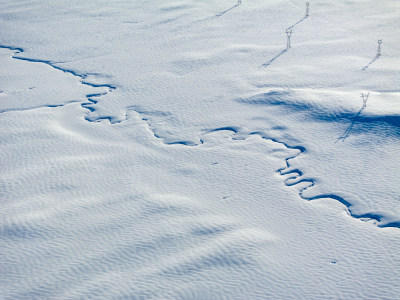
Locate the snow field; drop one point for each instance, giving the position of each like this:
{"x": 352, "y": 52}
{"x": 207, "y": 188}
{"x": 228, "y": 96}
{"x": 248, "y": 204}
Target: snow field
{"x": 146, "y": 153}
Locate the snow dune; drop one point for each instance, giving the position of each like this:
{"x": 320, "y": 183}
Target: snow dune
{"x": 155, "y": 150}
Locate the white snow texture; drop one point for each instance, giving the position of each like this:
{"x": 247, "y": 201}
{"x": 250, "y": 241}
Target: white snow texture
{"x": 155, "y": 149}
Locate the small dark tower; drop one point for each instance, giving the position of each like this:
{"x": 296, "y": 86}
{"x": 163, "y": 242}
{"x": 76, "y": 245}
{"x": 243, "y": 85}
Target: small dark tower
{"x": 308, "y": 9}
{"x": 289, "y": 32}
{"x": 379, "y": 48}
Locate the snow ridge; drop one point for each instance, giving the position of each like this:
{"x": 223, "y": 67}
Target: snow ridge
{"x": 238, "y": 134}
{"x": 310, "y": 182}
{"x": 87, "y": 105}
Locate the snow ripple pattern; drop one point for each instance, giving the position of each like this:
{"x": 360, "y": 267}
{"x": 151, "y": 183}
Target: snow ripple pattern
{"x": 296, "y": 179}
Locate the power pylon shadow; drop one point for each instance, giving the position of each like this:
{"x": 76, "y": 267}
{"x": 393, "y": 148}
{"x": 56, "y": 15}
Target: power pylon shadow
{"x": 224, "y": 12}
{"x": 355, "y": 118}
{"x": 272, "y": 59}
{"x": 349, "y": 129}
{"x": 289, "y": 32}
{"x": 378, "y": 54}
{"x": 370, "y": 63}
{"x": 298, "y": 22}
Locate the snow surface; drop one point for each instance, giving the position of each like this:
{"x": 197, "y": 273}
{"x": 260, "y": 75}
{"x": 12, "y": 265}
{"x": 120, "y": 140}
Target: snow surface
{"x": 176, "y": 150}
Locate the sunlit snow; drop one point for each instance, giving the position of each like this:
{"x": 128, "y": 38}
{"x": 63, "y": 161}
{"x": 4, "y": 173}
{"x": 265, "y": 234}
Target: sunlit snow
{"x": 199, "y": 149}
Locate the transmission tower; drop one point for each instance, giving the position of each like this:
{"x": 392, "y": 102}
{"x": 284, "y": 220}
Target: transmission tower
{"x": 308, "y": 9}
{"x": 364, "y": 98}
{"x": 289, "y": 32}
{"x": 379, "y": 48}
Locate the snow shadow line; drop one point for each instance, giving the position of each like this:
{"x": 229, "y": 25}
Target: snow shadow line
{"x": 286, "y": 170}
{"x": 349, "y": 129}
{"x": 86, "y": 105}
{"x": 272, "y": 59}
{"x": 236, "y": 131}
{"x": 224, "y": 12}
{"x": 311, "y": 182}
{"x": 298, "y": 22}
{"x": 371, "y": 62}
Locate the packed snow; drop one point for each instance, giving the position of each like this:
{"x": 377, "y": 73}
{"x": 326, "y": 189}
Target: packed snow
{"x": 184, "y": 150}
